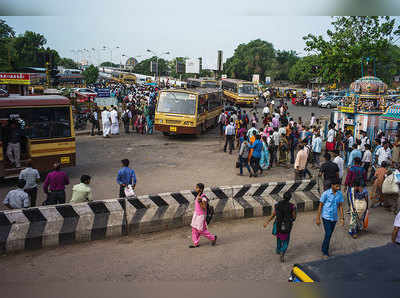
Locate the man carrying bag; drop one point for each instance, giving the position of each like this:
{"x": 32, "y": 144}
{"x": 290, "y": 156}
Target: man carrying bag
{"x": 126, "y": 179}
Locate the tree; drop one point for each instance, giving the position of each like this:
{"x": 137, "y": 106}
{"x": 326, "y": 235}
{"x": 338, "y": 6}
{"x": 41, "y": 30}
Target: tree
{"x": 285, "y": 60}
{"x": 67, "y": 63}
{"x": 90, "y": 74}
{"x": 350, "y": 40}
{"x": 304, "y": 69}
{"x": 143, "y": 67}
{"x": 109, "y": 64}
{"x": 255, "y": 57}
{"x": 6, "y": 35}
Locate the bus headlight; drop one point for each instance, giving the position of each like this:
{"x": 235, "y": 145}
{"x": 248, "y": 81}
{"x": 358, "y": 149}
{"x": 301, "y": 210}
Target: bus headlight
{"x": 187, "y": 123}
{"x": 160, "y": 121}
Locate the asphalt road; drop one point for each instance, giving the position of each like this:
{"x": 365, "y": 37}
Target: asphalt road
{"x": 162, "y": 164}
{"x": 244, "y": 252}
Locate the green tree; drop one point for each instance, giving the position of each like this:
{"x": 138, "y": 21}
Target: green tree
{"x": 351, "y": 39}
{"x": 285, "y": 60}
{"x": 67, "y": 63}
{"x": 109, "y": 64}
{"x": 143, "y": 67}
{"x": 90, "y": 74}
{"x": 255, "y": 57}
{"x": 6, "y": 35}
{"x": 304, "y": 69}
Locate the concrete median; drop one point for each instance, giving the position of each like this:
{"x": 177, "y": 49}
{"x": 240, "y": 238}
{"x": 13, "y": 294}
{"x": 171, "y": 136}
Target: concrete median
{"x": 48, "y": 226}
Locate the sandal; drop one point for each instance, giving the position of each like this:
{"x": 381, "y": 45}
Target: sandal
{"x": 194, "y": 246}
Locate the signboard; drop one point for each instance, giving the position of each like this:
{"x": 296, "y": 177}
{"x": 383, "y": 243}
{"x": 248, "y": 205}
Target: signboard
{"x": 219, "y": 61}
{"x": 180, "y": 67}
{"x": 15, "y": 78}
{"x": 346, "y": 109}
{"x": 267, "y": 80}
{"x": 256, "y": 78}
{"x": 153, "y": 66}
{"x": 103, "y": 92}
{"x": 224, "y": 76}
{"x": 348, "y": 121}
{"x": 193, "y": 66}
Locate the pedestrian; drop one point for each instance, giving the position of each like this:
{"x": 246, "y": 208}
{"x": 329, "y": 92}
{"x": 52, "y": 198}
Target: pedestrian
{"x": 396, "y": 228}
{"x": 82, "y": 192}
{"x": 358, "y": 204}
{"x": 106, "y": 121}
{"x": 340, "y": 163}
{"x": 257, "y": 147}
{"x": 330, "y": 141}
{"x": 329, "y": 170}
{"x": 396, "y": 149}
{"x": 114, "y": 121}
{"x": 199, "y": 224}
{"x": 265, "y": 158}
{"x": 283, "y": 150}
{"x": 54, "y": 186}
{"x": 355, "y": 153}
{"x": 384, "y": 154}
{"x": 229, "y": 136}
{"x": 94, "y": 119}
{"x": 126, "y": 176}
{"x": 266, "y": 111}
{"x": 367, "y": 158}
{"x": 243, "y": 157}
{"x": 330, "y": 203}
{"x": 17, "y": 198}
{"x": 300, "y": 163}
{"x": 316, "y": 149}
{"x": 126, "y": 119}
{"x": 31, "y": 177}
{"x": 364, "y": 141}
{"x": 14, "y": 139}
{"x": 284, "y": 214}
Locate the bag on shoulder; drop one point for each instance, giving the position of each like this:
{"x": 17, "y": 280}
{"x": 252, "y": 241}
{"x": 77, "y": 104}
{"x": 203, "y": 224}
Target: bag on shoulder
{"x": 209, "y": 211}
{"x": 284, "y": 220}
{"x": 390, "y": 186}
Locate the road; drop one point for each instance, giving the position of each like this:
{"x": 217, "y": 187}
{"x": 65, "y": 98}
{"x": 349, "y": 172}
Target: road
{"x": 162, "y": 164}
{"x": 245, "y": 251}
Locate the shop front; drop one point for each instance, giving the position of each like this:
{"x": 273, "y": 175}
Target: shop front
{"x": 15, "y": 83}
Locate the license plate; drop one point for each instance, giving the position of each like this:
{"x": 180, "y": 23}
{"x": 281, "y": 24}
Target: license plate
{"x": 172, "y": 128}
{"x": 65, "y": 159}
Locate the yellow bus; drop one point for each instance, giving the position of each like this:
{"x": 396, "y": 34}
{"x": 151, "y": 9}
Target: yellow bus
{"x": 189, "y": 111}
{"x": 240, "y": 92}
{"x": 48, "y": 135}
{"x": 202, "y": 83}
{"x": 125, "y": 78}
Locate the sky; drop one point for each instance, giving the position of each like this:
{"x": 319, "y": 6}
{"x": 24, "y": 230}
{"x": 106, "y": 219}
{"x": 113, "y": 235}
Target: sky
{"x": 184, "y": 28}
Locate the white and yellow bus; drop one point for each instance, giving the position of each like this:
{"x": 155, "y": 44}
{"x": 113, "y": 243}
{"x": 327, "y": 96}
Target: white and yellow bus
{"x": 190, "y": 111}
{"x": 202, "y": 83}
{"x": 240, "y": 92}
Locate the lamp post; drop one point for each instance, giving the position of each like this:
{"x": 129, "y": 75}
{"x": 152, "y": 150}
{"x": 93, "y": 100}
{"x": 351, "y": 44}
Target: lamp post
{"x": 157, "y": 56}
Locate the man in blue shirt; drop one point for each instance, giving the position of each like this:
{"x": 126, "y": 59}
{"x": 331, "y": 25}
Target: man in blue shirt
{"x": 126, "y": 176}
{"x": 255, "y": 157}
{"x": 353, "y": 154}
{"x": 331, "y": 200}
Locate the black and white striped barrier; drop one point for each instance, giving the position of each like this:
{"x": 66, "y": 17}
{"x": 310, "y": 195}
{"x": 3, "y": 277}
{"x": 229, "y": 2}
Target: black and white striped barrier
{"x": 48, "y": 226}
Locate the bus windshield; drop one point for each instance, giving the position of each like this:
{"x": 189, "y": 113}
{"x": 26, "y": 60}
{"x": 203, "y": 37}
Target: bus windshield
{"x": 247, "y": 89}
{"x": 210, "y": 85}
{"x": 177, "y": 103}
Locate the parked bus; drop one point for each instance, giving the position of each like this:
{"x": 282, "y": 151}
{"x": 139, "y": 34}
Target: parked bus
{"x": 189, "y": 111}
{"x": 48, "y": 132}
{"x": 240, "y": 92}
{"x": 125, "y": 78}
{"x": 202, "y": 83}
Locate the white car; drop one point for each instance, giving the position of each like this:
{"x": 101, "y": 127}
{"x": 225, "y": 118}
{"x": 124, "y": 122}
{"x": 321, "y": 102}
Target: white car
{"x": 86, "y": 92}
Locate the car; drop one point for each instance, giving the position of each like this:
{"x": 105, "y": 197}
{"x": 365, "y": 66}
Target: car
{"x": 229, "y": 108}
{"x": 86, "y": 92}
{"x": 329, "y": 102}
{"x": 3, "y": 93}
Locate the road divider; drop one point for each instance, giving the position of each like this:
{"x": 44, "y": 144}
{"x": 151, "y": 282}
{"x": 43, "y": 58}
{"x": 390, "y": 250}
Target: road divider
{"x": 49, "y": 226}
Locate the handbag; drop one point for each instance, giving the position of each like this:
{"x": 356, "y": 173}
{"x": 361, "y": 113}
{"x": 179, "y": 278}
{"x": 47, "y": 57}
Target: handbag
{"x": 129, "y": 192}
{"x": 237, "y": 163}
{"x": 390, "y": 186}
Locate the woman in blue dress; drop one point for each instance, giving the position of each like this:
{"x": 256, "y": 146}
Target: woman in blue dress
{"x": 264, "y": 160}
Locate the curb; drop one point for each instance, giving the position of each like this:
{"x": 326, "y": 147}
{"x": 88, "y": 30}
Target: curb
{"x": 50, "y": 226}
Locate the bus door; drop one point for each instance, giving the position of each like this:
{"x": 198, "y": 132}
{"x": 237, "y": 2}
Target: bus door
{"x": 202, "y": 112}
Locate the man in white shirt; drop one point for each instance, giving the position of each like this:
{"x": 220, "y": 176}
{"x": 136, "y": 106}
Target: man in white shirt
{"x": 364, "y": 141}
{"x": 229, "y": 136}
{"x": 384, "y": 154}
{"x": 266, "y": 111}
{"x": 312, "y": 121}
{"x": 340, "y": 163}
{"x": 221, "y": 122}
{"x": 106, "y": 121}
{"x": 367, "y": 158}
{"x": 114, "y": 121}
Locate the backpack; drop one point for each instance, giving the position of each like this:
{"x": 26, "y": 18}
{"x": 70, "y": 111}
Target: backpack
{"x": 359, "y": 171}
{"x": 284, "y": 220}
{"x": 209, "y": 211}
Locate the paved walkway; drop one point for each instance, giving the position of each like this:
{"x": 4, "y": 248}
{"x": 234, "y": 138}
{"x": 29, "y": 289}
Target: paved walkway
{"x": 245, "y": 251}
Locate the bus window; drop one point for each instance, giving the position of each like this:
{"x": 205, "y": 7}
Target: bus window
{"x": 177, "y": 102}
{"x": 61, "y": 125}
{"x": 40, "y": 123}
{"x": 202, "y": 105}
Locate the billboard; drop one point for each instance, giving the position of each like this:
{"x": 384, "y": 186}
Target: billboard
{"x": 193, "y": 65}
{"x": 180, "y": 67}
{"x": 103, "y": 92}
{"x": 267, "y": 80}
{"x": 153, "y": 66}
{"x": 15, "y": 78}
{"x": 256, "y": 78}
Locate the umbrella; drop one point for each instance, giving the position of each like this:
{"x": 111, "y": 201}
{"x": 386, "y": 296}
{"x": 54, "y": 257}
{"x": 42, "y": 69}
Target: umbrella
{"x": 392, "y": 113}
